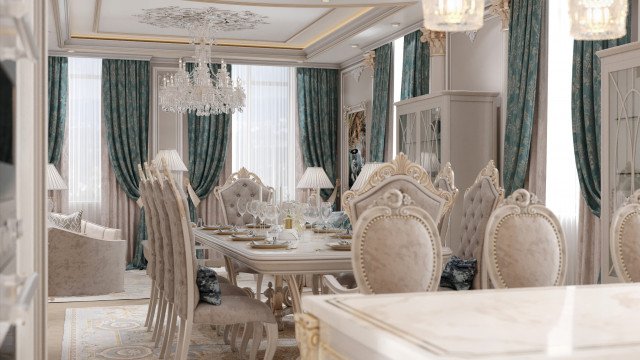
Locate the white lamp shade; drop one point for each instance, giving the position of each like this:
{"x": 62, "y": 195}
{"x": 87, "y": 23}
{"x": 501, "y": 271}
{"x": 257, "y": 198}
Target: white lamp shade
{"x": 367, "y": 170}
{"x": 315, "y": 178}
{"x": 54, "y": 180}
{"x": 173, "y": 160}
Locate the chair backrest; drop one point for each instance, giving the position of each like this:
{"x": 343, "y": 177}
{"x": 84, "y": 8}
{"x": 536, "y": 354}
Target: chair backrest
{"x": 479, "y": 201}
{"x": 158, "y": 184}
{"x": 396, "y": 247}
{"x": 244, "y": 186}
{"x": 524, "y": 244}
{"x": 406, "y": 176}
{"x": 145, "y": 197}
{"x": 445, "y": 180}
{"x": 625, "y": 239}
{"x": 159, "y": 226}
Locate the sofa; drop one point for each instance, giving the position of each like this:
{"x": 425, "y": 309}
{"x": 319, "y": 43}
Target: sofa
{"x": 91, "y": 262}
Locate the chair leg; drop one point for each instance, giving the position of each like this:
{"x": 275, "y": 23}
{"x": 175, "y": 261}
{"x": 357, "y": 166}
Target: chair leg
{"x": 272, "y": 341}
{"x": 168, "y": 334}
{"x": 184, "y": 338}
{"x": 165, "y": 330}
{"x": 235, "y": 328}
{"x": 157, "y": 332}
{"x": 257, "y": 339}
{"x": 259, "y": 286}
{"x": 227, "y": 333}
{"x": 246, "y": 335}
{"x": 155, "y": 310}
{"x": 151, "y": 308}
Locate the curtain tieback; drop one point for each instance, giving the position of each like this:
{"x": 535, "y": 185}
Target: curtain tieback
{"x": 139, "y": 202}
{"x": 192, "y": 194}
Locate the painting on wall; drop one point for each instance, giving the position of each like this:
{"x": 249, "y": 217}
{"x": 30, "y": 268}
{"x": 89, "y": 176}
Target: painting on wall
{"x": 355, "y": 120}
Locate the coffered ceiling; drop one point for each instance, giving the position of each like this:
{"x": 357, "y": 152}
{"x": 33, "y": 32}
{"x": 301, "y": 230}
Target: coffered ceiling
{"x": 316, "y": 32}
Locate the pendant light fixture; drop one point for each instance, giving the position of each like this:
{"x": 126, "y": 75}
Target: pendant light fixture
{"x": 453, "y": 15}
{"x": 598, "y": 19}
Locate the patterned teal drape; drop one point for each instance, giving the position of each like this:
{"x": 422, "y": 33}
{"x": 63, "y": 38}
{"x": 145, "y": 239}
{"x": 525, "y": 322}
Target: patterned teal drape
{"x": 318, "y": 116}
{"x": 207, "y": 148}
{"x": 58, "y": 94}
{"x": 125, "y": 105}
{"x": 524, "y": 50}
{"x": 380, "y": 106}
{"x": 415, "y": 66}
{"x": 585, "y": 114}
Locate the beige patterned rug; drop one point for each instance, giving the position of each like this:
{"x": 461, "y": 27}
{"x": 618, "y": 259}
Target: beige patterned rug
{"x": 137, "y": 285}
{"x": 118, "y": 332}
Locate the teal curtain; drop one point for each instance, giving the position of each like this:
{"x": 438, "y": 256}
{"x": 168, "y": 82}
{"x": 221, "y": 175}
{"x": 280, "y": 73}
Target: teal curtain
{"x": 380, "y": 106}
{"x": 125, "y": 106}
{"x": 524, "y": 56}
{"x": 318, "y": 117}
{"x": 585, "y": 114}
{"x": 58, "y": 93}
{"x": 207, "y": 148}
{"x": 415, "y": 66}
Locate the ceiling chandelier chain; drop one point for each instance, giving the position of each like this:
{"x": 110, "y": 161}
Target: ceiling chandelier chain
{"x": 202, "y": 90}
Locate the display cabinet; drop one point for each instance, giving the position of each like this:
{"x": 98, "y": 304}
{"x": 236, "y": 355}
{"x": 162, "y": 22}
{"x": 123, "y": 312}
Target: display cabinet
{"x": 620, "y": 138}
{"x": 460, "y": 127}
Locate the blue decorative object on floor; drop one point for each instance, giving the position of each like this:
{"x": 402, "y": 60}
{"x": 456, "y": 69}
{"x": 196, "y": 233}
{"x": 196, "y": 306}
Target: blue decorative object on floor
{"x": 458, "y": 273}
{"x": 207, "y": 281}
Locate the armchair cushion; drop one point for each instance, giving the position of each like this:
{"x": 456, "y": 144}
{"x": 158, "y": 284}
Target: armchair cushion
{"x": 458, "y": 273}
{"x": 71, "y": 222}
{"x": 208, "y": 285}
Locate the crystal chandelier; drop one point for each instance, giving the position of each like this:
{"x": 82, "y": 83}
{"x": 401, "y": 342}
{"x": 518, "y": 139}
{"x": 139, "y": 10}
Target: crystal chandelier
{"x": 202, "y": 90}
{"x": 598, "y": 19}
{"x": 453, "y": 15}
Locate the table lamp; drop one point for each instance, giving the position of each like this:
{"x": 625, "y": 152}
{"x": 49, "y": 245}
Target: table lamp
{"x": 365, "y": 173}
{"x": 174, "y": 162}
{"x": 54, "y": 182}
{"x": 315, "y": 178}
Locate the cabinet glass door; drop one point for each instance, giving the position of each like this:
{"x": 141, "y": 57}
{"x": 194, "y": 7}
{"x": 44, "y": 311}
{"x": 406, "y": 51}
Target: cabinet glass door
{"x": 407, "y": 139}
{"x": 624, "y": 137}
{"x": 429, "y": 135}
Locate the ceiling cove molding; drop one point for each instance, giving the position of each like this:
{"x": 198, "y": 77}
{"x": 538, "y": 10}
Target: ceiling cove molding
{"x": 61, "y": 19}
{"x": 359, "y": 25}
{"x": 309, "y": 5}
{"x": 99, "y": 55}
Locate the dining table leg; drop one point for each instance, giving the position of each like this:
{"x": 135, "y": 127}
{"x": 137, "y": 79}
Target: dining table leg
{"x": 277, "y": 301}
{"x": 294, "y": 288}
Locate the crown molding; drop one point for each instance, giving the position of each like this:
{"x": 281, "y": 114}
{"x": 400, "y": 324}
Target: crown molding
{"x": 61, "y": 19}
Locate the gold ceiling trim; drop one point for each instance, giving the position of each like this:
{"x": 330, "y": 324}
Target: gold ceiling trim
{"x": 338, "y": 26}
{"x": 179, "y": 41}
{"x": 315, "y": 5}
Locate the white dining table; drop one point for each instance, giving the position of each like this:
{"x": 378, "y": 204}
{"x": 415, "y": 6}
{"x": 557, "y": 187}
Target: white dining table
{"x": 571, "y": 322}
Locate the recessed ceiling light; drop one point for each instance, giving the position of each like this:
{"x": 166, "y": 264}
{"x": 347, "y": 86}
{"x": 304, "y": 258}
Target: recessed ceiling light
{"x": 71, "y": 51}
{"x": 395, "y": 25}
{"x": 354, "y": 45}
{"x": 325, "y": 0}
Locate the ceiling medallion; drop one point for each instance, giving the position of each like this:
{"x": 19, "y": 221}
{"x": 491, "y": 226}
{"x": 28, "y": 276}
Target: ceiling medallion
{"x": 201, "y": 91}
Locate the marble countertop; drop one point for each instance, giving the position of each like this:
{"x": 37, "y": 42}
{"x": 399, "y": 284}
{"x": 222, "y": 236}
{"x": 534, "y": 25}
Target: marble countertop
{"x": 562, "y": 322}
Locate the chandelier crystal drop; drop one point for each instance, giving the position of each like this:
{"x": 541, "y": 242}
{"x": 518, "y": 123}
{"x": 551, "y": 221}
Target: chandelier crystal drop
{"x": 453, "y": 15}
{"x": 598, "y": 19}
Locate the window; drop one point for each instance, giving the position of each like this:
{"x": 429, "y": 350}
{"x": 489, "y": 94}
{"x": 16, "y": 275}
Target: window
{"x": 84, "y": 136}
{"x": 563, "y": 189}
{"x": 263, "y": 134}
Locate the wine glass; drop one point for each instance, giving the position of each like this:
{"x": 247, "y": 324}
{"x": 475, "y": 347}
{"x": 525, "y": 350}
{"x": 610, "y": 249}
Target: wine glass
{"x": 272, "y": 212}
{"x": 310, "y": 213}
{"x": 242, "y": 209}
{"x": 262, "y": 205}
{"x": 325, "y": 212}
{"x": 252, "y": 208}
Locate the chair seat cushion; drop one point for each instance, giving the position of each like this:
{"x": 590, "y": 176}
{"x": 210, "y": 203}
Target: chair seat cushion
{"x": 458, "y": 273}
{"x": 227, "y": 289}
{"x": 233, "y": 310}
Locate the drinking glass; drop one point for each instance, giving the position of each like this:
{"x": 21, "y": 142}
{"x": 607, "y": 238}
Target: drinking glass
{"x": 262, "y": 206}
{"x": 252, "y": 208}
{"x": 272, "y": 212}
{"x": 325, "y": 212}
{"x": 310, "y": 213}
{"x": 242, "y": 209}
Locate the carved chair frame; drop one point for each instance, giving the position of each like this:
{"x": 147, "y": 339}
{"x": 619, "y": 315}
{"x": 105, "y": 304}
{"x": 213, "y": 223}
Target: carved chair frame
{"x": 243, "y": 173}
{"x": 629, "y": 210}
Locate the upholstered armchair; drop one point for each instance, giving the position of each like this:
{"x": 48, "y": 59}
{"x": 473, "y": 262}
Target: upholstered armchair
{"x": 445, "y": 181}
{"x": 406, "y": 176}
{"x": 243, "y": 186}
{"x": 396, "y": 248}
{"x": 524, "y": 245}
{"x": 91, "y": 262}
{"x": 480, "y": 199}
{"x": 625, "y": 239}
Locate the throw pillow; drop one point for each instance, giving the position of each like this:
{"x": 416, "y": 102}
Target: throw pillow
{"x": 71, "y": 222}
{"x": 339, "y": 220}
{"x": 458, "y": 273}
{"x": 208, "y": 286}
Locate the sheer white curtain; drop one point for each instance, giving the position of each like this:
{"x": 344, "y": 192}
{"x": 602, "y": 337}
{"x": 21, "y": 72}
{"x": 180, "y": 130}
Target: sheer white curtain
{"x": 263, "y": 134}
{"x": 563, "y": 188}
{"x": 84, "y": 140}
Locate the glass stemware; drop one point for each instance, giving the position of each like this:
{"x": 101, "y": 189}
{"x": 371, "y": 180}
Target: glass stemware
{"x": 325, "y": 212}
{"x": 310, "y": 213}
{"x": 272, "y": 212}
{"x": 242, "y": 209}
{"x": 252, "y": 208}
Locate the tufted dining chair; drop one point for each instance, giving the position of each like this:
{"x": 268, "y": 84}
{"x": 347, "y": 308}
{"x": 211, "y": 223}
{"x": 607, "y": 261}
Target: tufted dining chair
{"x": 625, "y": 239}
{"x": 445, "y": 180}
{"x": 233, "y": 309}
{"x": 406, "y": 176}
{"x": 243, "y": 186}
{"x": 524, "y": 245}
{"x": 479, "y": 201}
{"x": 396, "y": 248}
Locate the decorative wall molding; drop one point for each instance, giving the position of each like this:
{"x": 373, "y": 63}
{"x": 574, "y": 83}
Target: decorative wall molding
{"x": 471, "y": 35}
{"x": 437, "y": 41}
{"x": 501, "y": 8}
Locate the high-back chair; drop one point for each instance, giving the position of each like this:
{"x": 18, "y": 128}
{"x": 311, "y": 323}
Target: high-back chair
{"x": 406, "y": 176}
{"x": 396, "y": 248}
{"x": 625, "y": 239}
{"x": 445, "y": 180}
{"x": 233, "y": 309}
{"x": 524, "y": 245}
{"x": 148, "y": 247}
{"x": 479, "y": 201}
